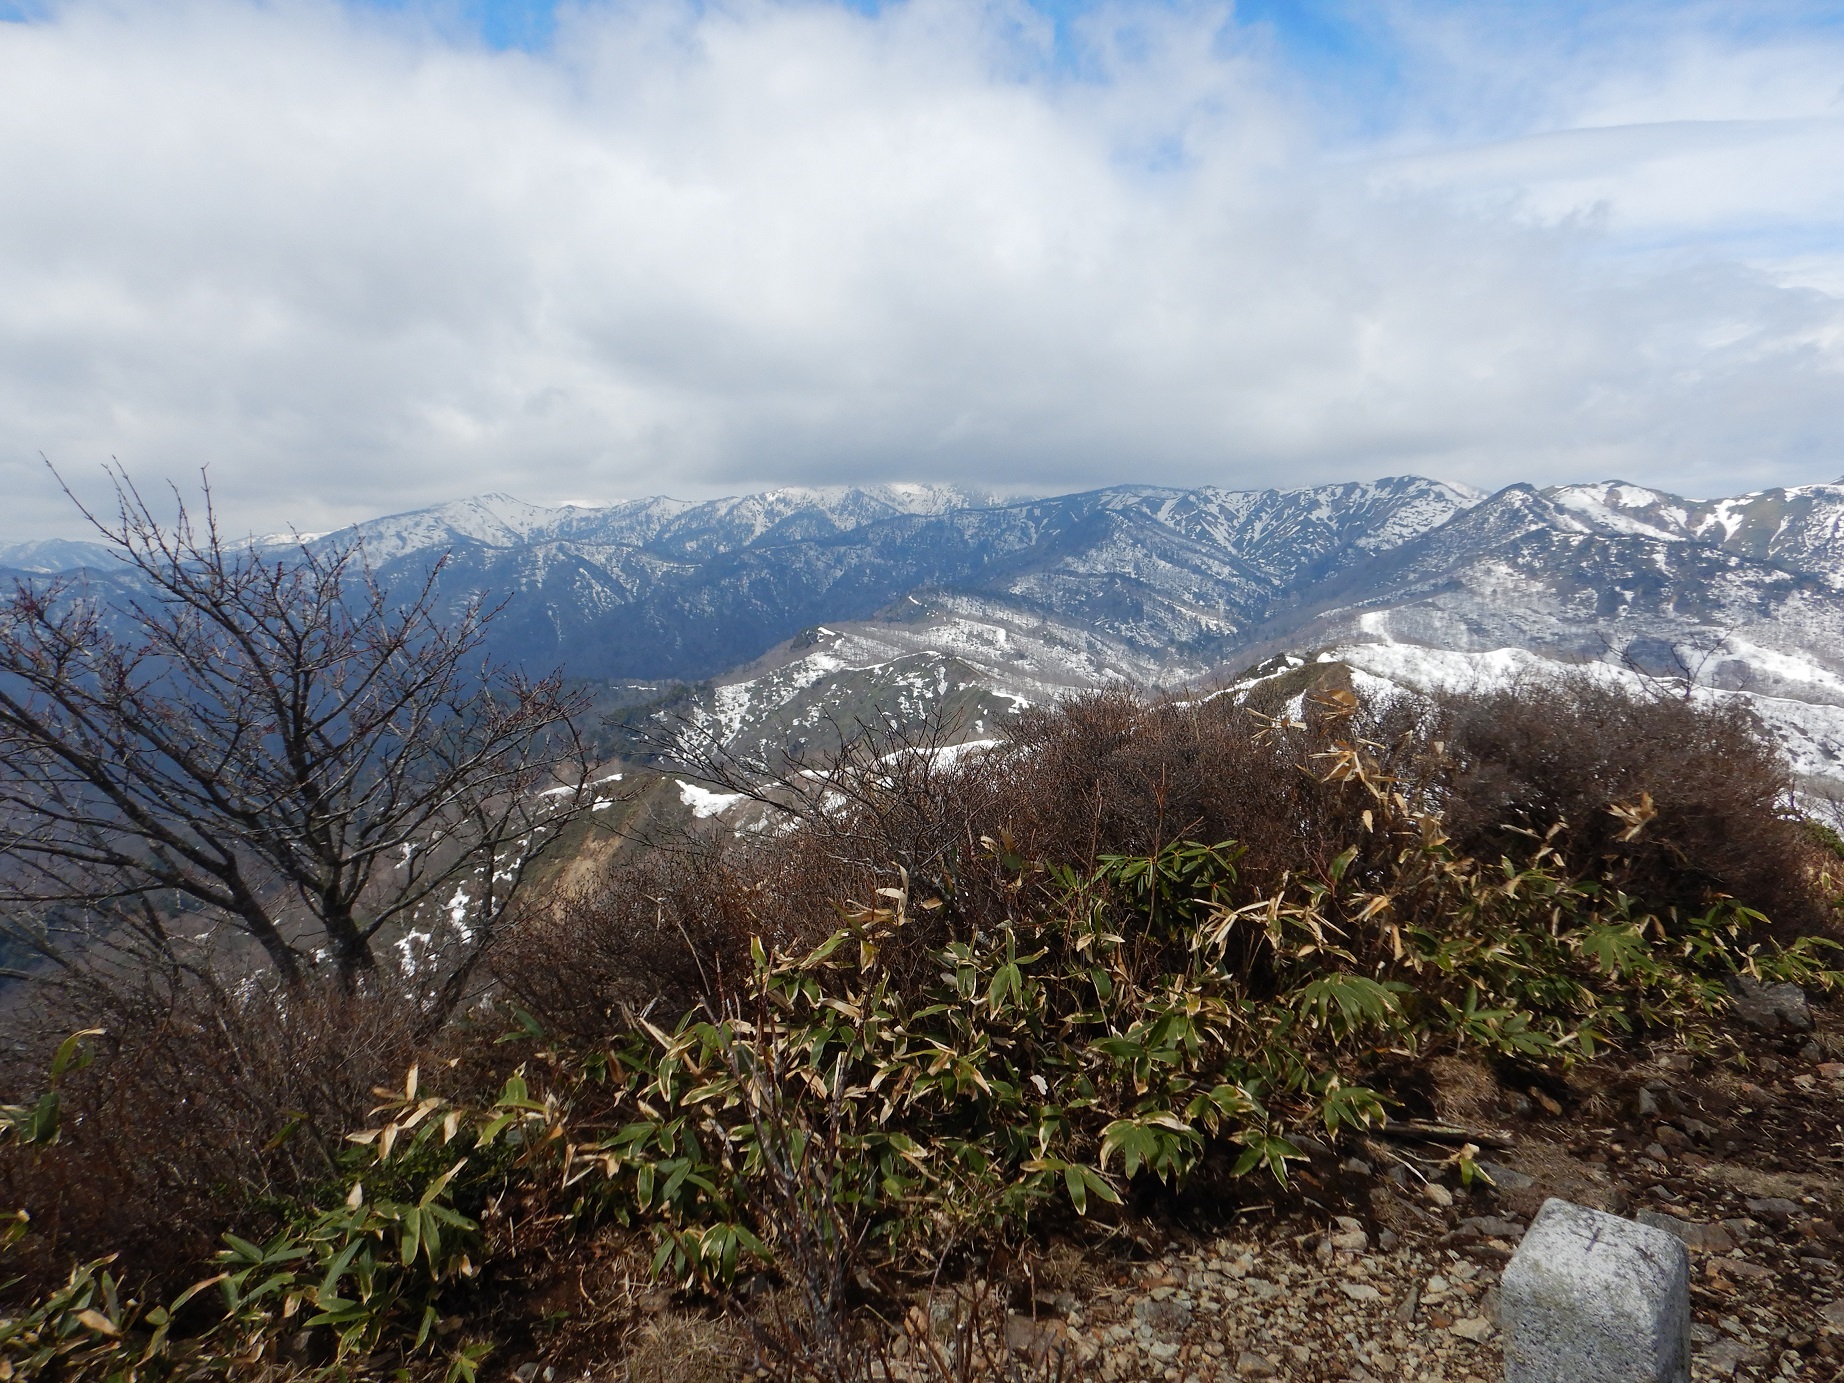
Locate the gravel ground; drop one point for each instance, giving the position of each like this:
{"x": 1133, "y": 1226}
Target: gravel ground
{"x": 1387, "y": 1266}
{"x": 1244, "y": 1306}
{"x": 1380, "y": 1264}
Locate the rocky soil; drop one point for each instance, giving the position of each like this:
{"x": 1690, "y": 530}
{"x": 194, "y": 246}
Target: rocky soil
{"x": 1382, "y": 1262}
{"x": 1387, "y": 1268}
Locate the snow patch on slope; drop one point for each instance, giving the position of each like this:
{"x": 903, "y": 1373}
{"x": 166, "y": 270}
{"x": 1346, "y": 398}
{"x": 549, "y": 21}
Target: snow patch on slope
{"x": 705, "y": 803}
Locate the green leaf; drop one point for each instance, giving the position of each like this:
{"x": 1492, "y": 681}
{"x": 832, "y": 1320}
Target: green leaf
{"x": 244, "y": 1250}
{"x": 71, "y": 1050}
{"x": 1007, "y": 982}
{"x": 1344, "y": 1003}
{"x": 411, "y": 1239}
{"x": 1135, "y": 1143}
{"x": 336, "y": 1270}
{"x": 1082, "y": 1181}
{"x": 440, "y": 1184}
{"x": 1265, "y": 1149}
{"x": 1342, "y": 863}
{"x": 1617, "y": 949}
{"x": 44, "y": 1125}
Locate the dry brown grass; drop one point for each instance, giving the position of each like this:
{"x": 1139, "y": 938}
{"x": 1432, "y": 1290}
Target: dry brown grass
{"x": 1462, "y": 1090}
{"x": 684, "y": 1349}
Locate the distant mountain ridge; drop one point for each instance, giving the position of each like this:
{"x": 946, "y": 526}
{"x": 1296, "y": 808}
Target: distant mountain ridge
{"x": 1742, "y": 597}
{"x": 666, "y": 526}
{"x": 665, "y": 589}
{"x": 781, "y": 609}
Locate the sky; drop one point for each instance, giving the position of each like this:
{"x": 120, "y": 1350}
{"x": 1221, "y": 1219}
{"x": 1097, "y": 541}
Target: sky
{"x": 352, "y": 258}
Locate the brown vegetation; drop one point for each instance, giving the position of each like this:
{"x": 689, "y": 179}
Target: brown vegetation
{"x": 1111, "y": 774}
{"x": 201, "y": 1113}
{"x": 909, "y": 850}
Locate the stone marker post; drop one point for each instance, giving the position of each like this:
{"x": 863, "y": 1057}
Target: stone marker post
{"x": 1593, "y": 1298}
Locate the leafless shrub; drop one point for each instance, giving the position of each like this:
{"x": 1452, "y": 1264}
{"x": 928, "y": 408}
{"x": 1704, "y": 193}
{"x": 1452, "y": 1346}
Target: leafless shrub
{"x": 1569, "y": 748}
{"x": 1113, "y": 774}
{"x": 201, "y": 1108}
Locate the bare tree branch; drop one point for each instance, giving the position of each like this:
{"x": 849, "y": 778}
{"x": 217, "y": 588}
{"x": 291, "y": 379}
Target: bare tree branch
{"x": 274, "y": 739}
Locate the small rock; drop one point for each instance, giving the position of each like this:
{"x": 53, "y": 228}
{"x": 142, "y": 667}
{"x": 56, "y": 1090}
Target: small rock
{"x": 1405, "y": 1309}
{"x": 1772, "y": 1007}
{"x": 943, "y": 1316}
{"x": 1831, "y": 1070}
{"x": 1252, "y": 1365}
{"x": 1704, "y": 1237}
{"x": 1724, "y": 1357}
{"x": 1506, "y": 1178}
{"x": 1741, "y": 1267}
{"x": 1655, "y": 1152}
{"x": 1657, "y": 1098}
{"x": 1670, "y": 1139}
{"x": 1475, "y": 1328}
{"x": 524, "y": 1373}
{"x": 1360, "y": 1291}
{"x": 1355, "y": 1241}
{"x": 1038, "y": 1339}
{"x": 1492, "y": 1227}
{"x": 1167, "y": 1317}
{"x": 1776, "y": 1208}
{"x": 1832, "y": 1313}
{"x": 1438, "y": 1194}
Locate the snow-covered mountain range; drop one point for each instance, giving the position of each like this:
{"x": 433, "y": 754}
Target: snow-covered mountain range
{"x": 773, "y": 612}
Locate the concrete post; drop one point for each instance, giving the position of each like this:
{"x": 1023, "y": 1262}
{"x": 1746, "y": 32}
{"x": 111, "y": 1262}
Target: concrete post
{"x": 1593, "y": 1298}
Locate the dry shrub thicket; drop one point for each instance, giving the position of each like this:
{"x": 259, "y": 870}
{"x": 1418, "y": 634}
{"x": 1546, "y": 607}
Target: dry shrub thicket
{"x": 201, "y": 1107}
{"x": 682, "y": 1000}
{"x": 1112, "y": 774}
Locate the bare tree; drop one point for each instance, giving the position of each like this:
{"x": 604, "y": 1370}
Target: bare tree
{"x": 271, "y": 741}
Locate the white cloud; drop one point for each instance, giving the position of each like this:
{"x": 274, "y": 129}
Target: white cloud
{"x": 356, "y": 267}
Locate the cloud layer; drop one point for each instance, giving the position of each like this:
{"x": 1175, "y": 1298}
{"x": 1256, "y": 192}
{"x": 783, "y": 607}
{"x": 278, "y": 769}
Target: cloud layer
{"x": 354, "y": 265}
